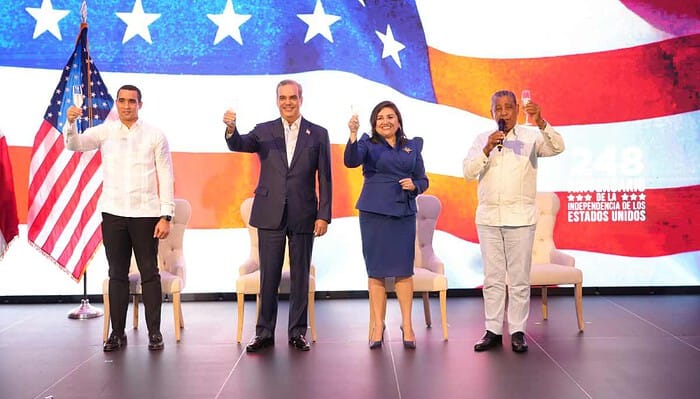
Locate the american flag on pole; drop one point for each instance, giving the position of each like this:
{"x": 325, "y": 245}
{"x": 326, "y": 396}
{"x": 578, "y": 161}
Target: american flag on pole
{"x": 64, "y": 186}
{"x": 8, "y": 204}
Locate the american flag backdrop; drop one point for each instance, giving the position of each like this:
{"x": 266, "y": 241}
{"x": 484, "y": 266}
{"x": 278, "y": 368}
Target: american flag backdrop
{"x": 64, "y": 186}
{"x": 618, "y": 78}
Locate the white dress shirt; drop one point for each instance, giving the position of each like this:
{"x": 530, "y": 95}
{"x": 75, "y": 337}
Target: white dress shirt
{"x": 136, "y": 166}
{"x": 291, "y": 133}
{"x": 508, "y": 178}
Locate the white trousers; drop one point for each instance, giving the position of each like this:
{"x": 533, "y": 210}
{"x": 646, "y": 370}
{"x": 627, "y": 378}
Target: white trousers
{"x": 507, "y": 255}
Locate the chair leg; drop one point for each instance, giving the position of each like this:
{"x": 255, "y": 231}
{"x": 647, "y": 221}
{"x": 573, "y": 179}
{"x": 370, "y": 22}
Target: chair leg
{"x": 578, "y": 293}
{"x": 426, "y": 309}
{"x": 443, "y": 312}
{"x": 182, "y": 319}
{"x": 136, "y": 311}
{"x": 544, "y": 303}
{"x": 312, "y": 315}
{"x": 257, "y": 307}
{"x": 240, "y": 300}
{"x": 176, "y": 315}
{"x": 105, "y": 330}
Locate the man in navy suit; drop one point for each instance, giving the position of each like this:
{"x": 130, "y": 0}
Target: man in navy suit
{"x": 295, "y": 160}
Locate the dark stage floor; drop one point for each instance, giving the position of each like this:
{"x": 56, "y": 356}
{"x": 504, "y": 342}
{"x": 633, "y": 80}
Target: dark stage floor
{"x": 633, "y": 347}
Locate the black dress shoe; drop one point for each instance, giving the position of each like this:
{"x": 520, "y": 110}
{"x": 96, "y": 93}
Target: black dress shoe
{"x": 114, "y": 342}
{"x": 488, "y": 341}
{"x": 258, "y": 343}
{"x": 155, "y": 342}
{"x": 517, "y": 342}
{"x": 299, "y": 343}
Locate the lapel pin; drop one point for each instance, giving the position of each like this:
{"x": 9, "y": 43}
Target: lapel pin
{"x": 408, "y": 150}
{"x": 308, "y": 131}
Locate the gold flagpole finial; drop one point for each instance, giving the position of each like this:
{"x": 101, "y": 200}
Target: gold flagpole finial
{"x": 83, "y": 12}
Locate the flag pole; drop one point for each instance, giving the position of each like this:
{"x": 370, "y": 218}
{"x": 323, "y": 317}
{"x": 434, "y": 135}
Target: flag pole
{"x": 85, "y": 310}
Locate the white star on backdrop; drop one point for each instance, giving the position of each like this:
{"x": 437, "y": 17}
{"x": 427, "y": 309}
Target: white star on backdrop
{"x": 47, "y": 19}
{"x": 229, "y": 23}
{"x": 391, "y": 46}
{"x": 137, "y": 22}
{"x": 319, "y": 23}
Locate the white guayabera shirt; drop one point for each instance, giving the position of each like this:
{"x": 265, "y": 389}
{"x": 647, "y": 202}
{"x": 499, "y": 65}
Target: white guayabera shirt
{"x": 508, "y": 178}
{"x": 136, "y": 166}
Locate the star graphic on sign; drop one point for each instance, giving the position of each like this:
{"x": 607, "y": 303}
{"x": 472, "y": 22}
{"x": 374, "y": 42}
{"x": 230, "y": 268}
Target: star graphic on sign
{"x": 570, "y": 198}
{"x": 137, "y": 22}
{"x": 391, "y": 46}
{"x": 642, "y": 196}
{"x": 47, "y": 19}
{"x": 319, "y": 23}
{"x": 588, "y": 197}
{"x": 625, "y": 196}
{"x": 229, "y": 23}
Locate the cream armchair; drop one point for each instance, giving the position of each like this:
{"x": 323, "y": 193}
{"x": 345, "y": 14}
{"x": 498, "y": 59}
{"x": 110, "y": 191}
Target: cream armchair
{"x": 171, "y": 264}
{"x": 551, "y": 266}
{"x": 248, "y": 281}
{"x": 428, "y": 269}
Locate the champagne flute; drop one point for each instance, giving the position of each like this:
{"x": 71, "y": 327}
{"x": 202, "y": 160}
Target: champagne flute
{"x": 526, "y": 98}
{"x": 355, "y": 114}
{"x": 78, "y": 97}
{"x": 353, "y": 109}
{"x": 233, "y": 107}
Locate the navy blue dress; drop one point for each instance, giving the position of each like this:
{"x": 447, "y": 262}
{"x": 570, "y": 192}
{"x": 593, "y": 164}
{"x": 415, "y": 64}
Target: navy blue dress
{"x": 387, "y": 212}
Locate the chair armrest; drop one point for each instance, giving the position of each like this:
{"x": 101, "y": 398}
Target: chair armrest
{"x": 560, "y": 258}
{"x": 249, "y": 266}
{"x": 435, "y": 265}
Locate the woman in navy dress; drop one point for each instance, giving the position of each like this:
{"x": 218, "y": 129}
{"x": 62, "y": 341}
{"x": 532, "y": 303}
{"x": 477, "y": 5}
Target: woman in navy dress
{"x": 393, "y": 171}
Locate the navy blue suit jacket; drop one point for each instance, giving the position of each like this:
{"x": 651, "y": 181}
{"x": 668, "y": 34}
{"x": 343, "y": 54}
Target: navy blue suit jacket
{"x": 382, "y": 168}
{"x": 293, "y": 186}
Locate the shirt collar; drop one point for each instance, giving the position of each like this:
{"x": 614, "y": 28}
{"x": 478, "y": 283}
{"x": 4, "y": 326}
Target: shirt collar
{"x": 514, "y": 130}
{"x": 136, "y": 124}
{"x": 293, "y": 125}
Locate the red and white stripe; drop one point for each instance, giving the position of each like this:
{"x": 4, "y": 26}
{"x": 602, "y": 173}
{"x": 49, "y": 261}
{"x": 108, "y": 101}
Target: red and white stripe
{"x": 64, "y": 188}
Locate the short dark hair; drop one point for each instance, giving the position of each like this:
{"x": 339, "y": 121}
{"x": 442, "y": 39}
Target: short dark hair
{"x": 132, "y": 88}
{"x": 400, "y": 135}
{"x": 288, "y": 82}
{"x": 502, "y": 93}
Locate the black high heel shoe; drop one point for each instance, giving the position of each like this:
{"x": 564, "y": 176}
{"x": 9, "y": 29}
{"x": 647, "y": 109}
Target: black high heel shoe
{"x": 377, "y": 344}
{"x": 407, "y": 344}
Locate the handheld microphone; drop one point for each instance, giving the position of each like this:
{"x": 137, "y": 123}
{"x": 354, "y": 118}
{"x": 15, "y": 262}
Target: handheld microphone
{"x": 502, "y": 128}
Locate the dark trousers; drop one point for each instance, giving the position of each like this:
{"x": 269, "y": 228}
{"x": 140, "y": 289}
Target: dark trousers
{"x": 121, "y": 236}
{"x": 272, "y": 246}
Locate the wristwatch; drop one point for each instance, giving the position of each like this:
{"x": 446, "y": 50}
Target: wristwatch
{"x": 166, "y": 217}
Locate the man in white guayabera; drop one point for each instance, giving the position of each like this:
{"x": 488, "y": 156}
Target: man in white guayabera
{"x": 505, "y": 163}
{"x": 137, "y": 206}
